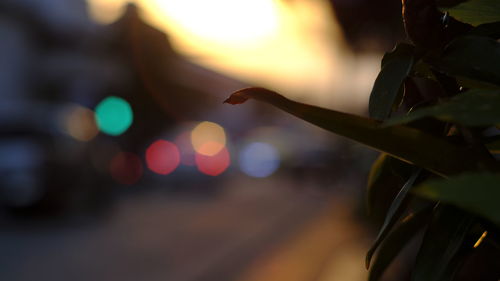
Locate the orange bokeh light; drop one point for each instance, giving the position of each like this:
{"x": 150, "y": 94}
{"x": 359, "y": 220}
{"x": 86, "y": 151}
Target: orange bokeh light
{"x": 210, "y": 148}
{"x": 79, "y": 123}
{"x": 208, "y": 138}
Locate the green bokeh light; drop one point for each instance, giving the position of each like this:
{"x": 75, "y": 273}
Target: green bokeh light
{"x": 114, "y": 116}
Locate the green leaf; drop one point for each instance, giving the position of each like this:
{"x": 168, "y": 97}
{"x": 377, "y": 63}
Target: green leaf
{"x": 397, "y": 240}
{"x": 478, "y": 107}
{"x": 488, "y": 29}
{"x": 473, "y": 57}
{"x": 442, "y": 241}
{"x": 475, "y": 192}
{"x": 395, "y": 211}
{"x": 439, "y": 156}
{"x": 386, "y": 177}
{"x": 475, "y": 84}
{"x": 396, "y": 66}
{"x": 423, "y": 70}
{"x": 476, "y": 12}
{"x": 494, "y": 147}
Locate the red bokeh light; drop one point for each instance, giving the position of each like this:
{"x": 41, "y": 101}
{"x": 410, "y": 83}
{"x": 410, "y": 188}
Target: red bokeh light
{"x": 213, "y": 165}
{"x": 162, "y": 157}
{"x": 126, "y": 168}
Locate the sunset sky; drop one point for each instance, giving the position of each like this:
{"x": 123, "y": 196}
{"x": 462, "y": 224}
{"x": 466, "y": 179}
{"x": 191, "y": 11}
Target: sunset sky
{"x": 295, "y": 47}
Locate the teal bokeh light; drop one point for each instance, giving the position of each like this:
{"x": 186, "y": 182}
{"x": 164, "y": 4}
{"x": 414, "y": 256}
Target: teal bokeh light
{"x": 114, "y": 116}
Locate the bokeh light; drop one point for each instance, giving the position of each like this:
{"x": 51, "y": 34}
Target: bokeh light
{"x": 208, "y": 138}
{"x": 162, "y": 157}
{"x": 114, "y": 115}
{"x": 213, "y": 165}
{"x": 79, "y": 122}
{"x": 259, "y": 159}
{"x": 126, "y": 168}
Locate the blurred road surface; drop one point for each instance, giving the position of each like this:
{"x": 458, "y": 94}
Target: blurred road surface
{"x": 186, "y": 237}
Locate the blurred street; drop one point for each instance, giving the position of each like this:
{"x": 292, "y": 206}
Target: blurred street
{"x": 184, "y": 237}
{"x": 120, "y": 162}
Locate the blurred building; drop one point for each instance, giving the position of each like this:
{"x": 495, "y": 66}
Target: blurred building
{"x": 58, "y": 63}
{"x": 370, "y": 25}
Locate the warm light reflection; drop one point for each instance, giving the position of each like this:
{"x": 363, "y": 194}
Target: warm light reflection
{"x": 208, "y": 138}
{"x": 162, "y": 157}
{"x": 79, "y": 123}
{"x": 213, "y": 165}
{"x": 126, "y": 168}
{"x": 480, "y": 240}
{"x": 259, "y": 160}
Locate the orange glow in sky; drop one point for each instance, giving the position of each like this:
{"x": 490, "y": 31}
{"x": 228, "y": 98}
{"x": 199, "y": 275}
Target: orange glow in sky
{"x": 227, "y": 22}
{"x": 295, "y": 47}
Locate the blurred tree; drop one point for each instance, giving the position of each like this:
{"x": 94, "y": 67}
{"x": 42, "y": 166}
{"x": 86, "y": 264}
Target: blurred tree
{"x": 370, "y": 25}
